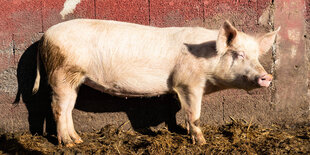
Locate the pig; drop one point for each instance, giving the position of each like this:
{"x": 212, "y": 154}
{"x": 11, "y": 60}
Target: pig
{"x": 131, "y": 60}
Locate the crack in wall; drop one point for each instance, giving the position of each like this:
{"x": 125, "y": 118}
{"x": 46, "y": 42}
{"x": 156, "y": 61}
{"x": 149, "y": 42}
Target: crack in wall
{"x": 203, "y": 11}
{"x": 42, "y": 28}
{"x": 13, "y": 47}
{"x": 95, "y": 9}
{"x": 274, "y": 54}
{"x": 149, "y": 2}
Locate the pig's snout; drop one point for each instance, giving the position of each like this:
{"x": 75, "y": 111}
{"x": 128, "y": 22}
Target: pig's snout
{"x": 265, "y": 80}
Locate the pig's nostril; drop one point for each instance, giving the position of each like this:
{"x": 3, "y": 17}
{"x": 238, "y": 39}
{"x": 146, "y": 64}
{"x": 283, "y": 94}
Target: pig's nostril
{"x": 266, "y": 77}
{"x": 265, "y": 80}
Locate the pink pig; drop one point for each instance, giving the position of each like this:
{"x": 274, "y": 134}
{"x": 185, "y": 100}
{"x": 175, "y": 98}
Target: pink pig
{"x": 133, "y": 60}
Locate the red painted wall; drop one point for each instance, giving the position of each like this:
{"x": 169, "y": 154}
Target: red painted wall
{"x": 22, "y": 22}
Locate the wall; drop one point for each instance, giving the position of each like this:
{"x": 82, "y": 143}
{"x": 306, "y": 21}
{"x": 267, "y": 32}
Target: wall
{"x": 22, "y": 23}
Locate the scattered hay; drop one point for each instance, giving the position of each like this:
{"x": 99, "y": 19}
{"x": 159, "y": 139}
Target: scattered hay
{"x": 237, "y": 137}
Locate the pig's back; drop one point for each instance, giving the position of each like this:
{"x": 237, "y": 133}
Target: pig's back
{"x": 124, "y": 58}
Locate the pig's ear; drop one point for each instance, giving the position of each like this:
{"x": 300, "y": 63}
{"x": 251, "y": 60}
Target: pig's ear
{"x": 267, "y": 40}
{"x": 227, "y": 34}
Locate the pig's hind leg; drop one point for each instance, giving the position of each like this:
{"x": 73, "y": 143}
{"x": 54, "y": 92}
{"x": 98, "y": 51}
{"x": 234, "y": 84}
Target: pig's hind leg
{"x": 65, "y": 83}
{"x": 72, "y": 133}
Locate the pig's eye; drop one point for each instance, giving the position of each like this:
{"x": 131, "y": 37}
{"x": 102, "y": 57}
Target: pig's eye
{"x": 241, "y": 55}
{"x": 238, "y": 55}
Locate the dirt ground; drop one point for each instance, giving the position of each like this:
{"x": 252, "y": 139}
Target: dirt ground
{"x": 237, "y": 137}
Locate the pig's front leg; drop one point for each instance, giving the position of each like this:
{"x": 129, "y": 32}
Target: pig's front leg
{"x": 190, "y": 98}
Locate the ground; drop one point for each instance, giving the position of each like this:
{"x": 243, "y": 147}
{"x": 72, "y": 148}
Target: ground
{"x": 237, "y": 137}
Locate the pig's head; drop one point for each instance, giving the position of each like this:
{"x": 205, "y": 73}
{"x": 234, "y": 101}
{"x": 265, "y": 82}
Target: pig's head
{"x": 238, "y": 66}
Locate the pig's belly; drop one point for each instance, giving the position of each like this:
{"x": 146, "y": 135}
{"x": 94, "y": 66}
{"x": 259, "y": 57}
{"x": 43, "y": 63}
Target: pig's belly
{"x": 131, "y": 87}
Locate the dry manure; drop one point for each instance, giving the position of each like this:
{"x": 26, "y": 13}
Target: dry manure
{"x": 237, "y": 137}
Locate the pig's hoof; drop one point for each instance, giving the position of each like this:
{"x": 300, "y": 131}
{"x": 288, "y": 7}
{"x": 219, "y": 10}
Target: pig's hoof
{"x": 70, "y": 145}
{"x": 199, "y": 140}
{"x": 78, "y": 141}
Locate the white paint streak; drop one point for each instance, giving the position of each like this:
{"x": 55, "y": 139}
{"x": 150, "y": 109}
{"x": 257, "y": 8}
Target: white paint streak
{"x": 294, "y": 35}
{"x": 69, "y": 7}
{"x": 277, "y": 64}
{"x": 293, "y": 51}
{"x": 264, "y": 19}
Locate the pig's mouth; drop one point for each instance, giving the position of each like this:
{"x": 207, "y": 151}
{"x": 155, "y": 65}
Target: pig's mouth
{"x": 248, "y": 83}
{"x": 242, "y": 82}
{"x": 257, "y": 82}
